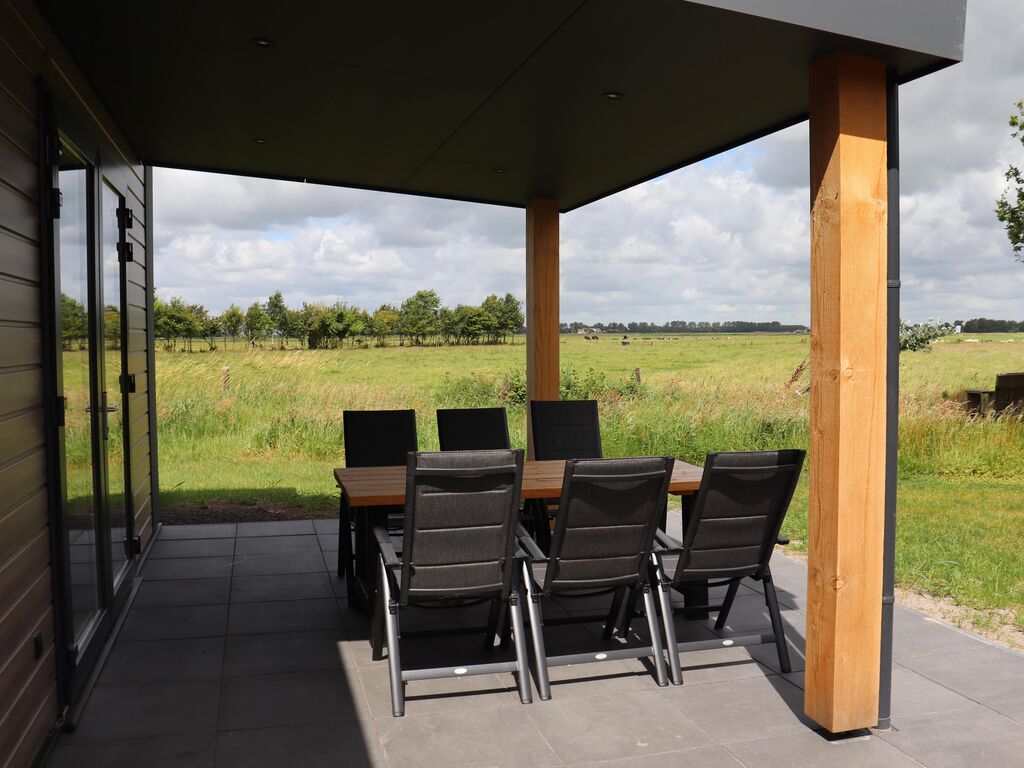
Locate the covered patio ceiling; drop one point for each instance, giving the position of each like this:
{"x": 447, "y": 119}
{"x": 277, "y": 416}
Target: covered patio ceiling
{"x": 497, "y": 102}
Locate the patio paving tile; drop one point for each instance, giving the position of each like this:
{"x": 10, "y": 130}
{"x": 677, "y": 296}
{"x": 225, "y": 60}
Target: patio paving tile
{"x": 136, "y": 710}
{"x": 275, "y": 528}
{"x": 750, "y": 613}
{"x": 453, "y": 740}
{"x": 294, "y": 698}
{"x": 328, "y": 542}
{"x": 720, "y": 665}
{"x": 976, "y": 736}
{"x": 616, "y": 726}
{"x": 187, "y": 568}
{"x": 282, "y": 652}
{"x": 742, "y": 710}
{"x": 914, "y": 694}
{"x": 199, "y": 531}
{"x": 189, "y": 750}
{"x": 326, "y": 525}
{"x": 283, "y": 616}
{"x": 144, "y": 661}
{"x": 193, "y": 548}
{"x": 170, "y": 592}
{"x": 277, "y": 545}
{"x": 969, "y": 671}
{"x": 813, "y": 750}
{"x": 174, "y": 622}
{"x": 308, "y": 746}
{"x": 915, "y": 634}
{"x": 268, "y": 565}
{"x": 289, "y": 586}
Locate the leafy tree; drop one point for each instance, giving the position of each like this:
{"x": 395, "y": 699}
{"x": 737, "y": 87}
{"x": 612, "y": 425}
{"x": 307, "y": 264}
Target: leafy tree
{"x": 112, "y": 327}
{"x": 74, "y": 322}
{"x": 1010, "y": 207}
{"x": 212, "y": 327}
{"x": 418, "y": 317}
{"x": 319, "y": 322}
{"x": 383, "y": 323}
{"x": 257, "y": 324}
{"x": 294, "y": 326}
{"x": 233, "y": 321}
{"x": 278, "y": 314}
{"x": 511, "y": 319}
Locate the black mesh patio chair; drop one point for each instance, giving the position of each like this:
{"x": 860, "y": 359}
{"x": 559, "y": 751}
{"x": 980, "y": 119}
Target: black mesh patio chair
{"x": 729, "y": 535}
{"x": 472, "y": 429}
{"x": 458, "y": 542}
{"x": 372, "y": 439}
{"x": 607, "y": 517}
{"x": 565, "y": 429}
{"x": 562, "y": 429}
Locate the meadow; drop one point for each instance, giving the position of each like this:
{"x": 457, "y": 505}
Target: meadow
{"x": 267, "y": 431}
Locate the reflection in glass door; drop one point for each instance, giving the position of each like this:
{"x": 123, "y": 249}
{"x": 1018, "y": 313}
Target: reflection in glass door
{"x": 76, "y": 307}
{"x": 112, "y": 401}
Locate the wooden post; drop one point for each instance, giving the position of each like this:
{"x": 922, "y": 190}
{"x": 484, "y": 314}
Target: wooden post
{"x": 542, "y": 382}
{"x": 848, "y": 395}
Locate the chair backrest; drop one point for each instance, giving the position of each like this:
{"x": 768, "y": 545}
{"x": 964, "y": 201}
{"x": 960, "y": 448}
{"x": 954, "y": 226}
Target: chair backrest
{"x": 607, "y": 516}
{"x": 1009, "y": 392}
{"x": 378, "y": 438}
{"x": 734, "y": 522}
{"x": 565, "y": 429}
{"x": 461, "y": 512}
{"x": 472, "y": 429}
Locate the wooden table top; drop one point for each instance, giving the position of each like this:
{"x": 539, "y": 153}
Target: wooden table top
{"x": 385, "y": 486}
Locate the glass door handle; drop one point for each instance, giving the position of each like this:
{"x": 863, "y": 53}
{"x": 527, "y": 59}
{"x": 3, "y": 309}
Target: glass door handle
{"x": 104, "y": 409}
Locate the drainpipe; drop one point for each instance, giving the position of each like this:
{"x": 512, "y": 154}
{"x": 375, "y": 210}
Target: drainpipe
{"x": 892, "y": 399}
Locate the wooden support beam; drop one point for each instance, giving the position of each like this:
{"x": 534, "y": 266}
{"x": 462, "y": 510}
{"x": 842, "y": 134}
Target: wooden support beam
{"x": 848, "y": 395}
{"x": 542, "y": 372}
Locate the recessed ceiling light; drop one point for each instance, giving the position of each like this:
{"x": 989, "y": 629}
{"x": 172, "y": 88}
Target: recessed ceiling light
{"x": 612, "y": 95}
{"x": 262, "y": 42}
{"x": 498, "y": 170}
{"x": 260, "y": 141}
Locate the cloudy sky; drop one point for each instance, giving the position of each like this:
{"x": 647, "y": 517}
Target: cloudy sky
{"x": 728, "y": 238}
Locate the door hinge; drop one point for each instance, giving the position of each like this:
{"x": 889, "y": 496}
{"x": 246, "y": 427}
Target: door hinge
{"x": 136, "y": 542}
{"x": 37, "y": 645}
{"x": 62, "y": 406}
{"x": 56, "y": 201}
{"x": 125, "y": 252}
{"x": 125, "y": 217}
{"x": 128, "y": 383}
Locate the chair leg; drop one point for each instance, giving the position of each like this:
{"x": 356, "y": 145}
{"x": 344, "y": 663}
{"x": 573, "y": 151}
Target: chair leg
{"x": 669, "y": 621}
{"x": 772, "y": 601}
{"x": 377, "y": 611}
{"x": 652, "y": 625}
{"x": 629, "y": 613}
{"x": 730, "y": 595}
{"x": 390, "y": 610}
{"x": 613, "y": 613}
{"x": 522, "y": 655}
{"x": 492, "y": 625}
{"x": 537, "y": 633}
{"x": 505, "y": 629}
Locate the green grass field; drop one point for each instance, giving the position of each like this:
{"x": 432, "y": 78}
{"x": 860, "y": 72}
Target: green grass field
{"x": 272, "y": 433}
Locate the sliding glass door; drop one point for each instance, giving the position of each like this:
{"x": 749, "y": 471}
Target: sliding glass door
{"x": 89, "y": 247}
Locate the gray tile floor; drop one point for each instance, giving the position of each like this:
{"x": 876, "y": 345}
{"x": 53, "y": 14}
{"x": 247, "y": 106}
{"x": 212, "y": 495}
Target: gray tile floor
{"x": 239, "y": 650}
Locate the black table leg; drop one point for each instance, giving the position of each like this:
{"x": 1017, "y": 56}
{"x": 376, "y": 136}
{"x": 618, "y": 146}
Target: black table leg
{"x": 695, "y": 594}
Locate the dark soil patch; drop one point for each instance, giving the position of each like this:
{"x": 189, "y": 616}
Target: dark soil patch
{"x": 187, "y": 513}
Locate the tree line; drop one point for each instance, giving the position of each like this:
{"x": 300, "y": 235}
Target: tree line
{"x": 683, "y": 326}
{"x": 420, "y": 320}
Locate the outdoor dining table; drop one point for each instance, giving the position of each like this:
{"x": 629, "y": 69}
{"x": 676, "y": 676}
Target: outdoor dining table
{"x": 367, "y": 492}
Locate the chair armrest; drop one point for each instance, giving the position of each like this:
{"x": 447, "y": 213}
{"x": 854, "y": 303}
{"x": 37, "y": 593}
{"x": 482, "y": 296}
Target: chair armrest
{"x": 664, "y": 542}
{"x": 529, "y": 546}
{"x": 387, "y": 549}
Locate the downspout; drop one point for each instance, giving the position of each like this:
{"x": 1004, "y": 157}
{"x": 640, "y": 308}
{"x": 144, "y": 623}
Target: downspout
{"x": 892, "y": 399}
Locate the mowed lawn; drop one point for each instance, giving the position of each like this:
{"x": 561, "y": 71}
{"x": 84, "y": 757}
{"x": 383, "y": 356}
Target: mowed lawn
{"x": 267, "y": 431}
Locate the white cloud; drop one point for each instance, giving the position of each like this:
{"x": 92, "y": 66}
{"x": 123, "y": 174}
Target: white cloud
{"x": 725, "y": 239}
